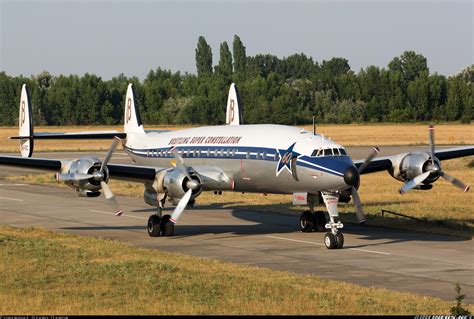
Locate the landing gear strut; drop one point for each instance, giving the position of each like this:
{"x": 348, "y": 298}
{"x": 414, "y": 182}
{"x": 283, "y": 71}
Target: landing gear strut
{"x": 333, "y": 239}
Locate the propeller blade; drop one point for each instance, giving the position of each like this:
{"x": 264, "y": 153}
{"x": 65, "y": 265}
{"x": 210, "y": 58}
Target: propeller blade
{"x": 180, "y": 163}
{"x": 414, "y": 182}
{"x": 111, "y": 150}
{"x": 358, "y": 205}
{"x": 180, "y": 207}
{"x": 432, "y": 145}
{"x": 66, "y": 177}
{"x": 294, "y": 173}
{"x": 455, "y": 181}
{"x": 111, "y": 198}
{"x": 373, "y": 153}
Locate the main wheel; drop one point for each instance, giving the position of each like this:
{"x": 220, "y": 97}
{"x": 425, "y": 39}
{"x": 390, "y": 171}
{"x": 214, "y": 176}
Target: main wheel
{"x": 339, "y": 240}
{"x": 307, "y": 222}
{"x": 330, "y": 241}
{"x": 154, "y": 226}
{"x": 320, "y": 224}
{"x": 167, "y": 227}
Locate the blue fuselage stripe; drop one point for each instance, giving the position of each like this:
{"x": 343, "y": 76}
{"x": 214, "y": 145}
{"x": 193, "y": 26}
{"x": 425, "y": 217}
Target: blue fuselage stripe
{"x": 335, "y": 165}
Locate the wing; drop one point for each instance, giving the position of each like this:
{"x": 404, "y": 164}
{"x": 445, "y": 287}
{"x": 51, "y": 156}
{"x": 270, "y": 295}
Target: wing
{"x": 134, "y": 173}
{"x": 385, "y": 163}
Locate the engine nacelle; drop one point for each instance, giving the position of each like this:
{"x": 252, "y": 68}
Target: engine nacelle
{"x": 174, "y": 183}
{"x": 408, "y": 166}
{"x": 86, "y": 165}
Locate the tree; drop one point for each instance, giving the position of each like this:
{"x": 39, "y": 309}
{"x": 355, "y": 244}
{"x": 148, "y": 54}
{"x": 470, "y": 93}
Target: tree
{"x": 225, "y": 62}
{"x": 410, "y": 64}
{"x": 203, "y": 58}
{"x": 240, "y": 57}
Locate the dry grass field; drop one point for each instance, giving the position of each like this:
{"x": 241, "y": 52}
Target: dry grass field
{"x": 347, "y": 135}
{"x": 47, "y": 273}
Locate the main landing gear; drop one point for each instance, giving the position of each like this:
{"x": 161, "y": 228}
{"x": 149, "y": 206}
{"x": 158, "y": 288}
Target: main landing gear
{"x": 312, "y": 221}
{"x": 316, "y": 221}
{"x": 159, "y": 225}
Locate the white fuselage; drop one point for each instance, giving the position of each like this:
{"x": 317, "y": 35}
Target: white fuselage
{"x": 255, "y": 157}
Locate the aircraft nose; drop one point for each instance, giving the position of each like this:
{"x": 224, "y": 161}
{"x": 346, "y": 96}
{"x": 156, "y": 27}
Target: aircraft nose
{"x": 351, "y": 176}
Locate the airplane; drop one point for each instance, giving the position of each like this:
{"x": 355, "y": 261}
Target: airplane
{"x": 177, "y": 166}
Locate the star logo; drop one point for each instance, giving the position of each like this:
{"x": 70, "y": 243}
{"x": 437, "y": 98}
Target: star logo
{"x": 285, "y": 159}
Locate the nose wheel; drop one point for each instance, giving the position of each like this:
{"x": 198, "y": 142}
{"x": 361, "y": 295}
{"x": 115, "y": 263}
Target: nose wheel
{"x": 334, "y": 241}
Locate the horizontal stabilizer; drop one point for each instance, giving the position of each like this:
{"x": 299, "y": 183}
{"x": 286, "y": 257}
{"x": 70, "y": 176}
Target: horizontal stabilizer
{"x": 106, "y": 135}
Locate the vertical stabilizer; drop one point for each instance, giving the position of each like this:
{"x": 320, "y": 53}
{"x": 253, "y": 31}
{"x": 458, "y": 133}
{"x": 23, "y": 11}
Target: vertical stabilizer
{"x": 234, "y": 111}
{"x": 132, "y": 122}
{"x": 25, "y": 123}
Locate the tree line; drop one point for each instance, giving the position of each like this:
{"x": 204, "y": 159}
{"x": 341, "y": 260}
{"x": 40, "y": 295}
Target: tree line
{"x": 288, "y": 91}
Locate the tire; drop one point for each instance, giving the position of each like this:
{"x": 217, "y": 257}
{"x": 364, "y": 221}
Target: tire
{"x": 339, "y": 240}
{"x": 307, "y": 222}
{"x": 330, "y": 241}
{"x": 167, "y": 227}
{"x": 321, "y": 221}
{"x": 154, "y": 226}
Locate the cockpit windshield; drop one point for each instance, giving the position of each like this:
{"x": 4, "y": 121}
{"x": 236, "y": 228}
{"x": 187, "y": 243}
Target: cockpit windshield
{"x": 329, "y": 152}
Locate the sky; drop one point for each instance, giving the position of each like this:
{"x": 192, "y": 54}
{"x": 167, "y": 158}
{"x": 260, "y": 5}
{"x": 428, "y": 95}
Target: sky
{"x": 108, "y": 37}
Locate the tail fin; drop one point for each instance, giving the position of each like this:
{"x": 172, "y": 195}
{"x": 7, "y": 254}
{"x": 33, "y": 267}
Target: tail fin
{"x": 132, "y": 122}
{"x": 25, "y": 123}
{"x": 234, "y": 111}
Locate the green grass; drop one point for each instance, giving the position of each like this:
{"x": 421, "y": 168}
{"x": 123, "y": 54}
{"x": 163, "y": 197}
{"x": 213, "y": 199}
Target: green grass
{"x": 43, "y": 272}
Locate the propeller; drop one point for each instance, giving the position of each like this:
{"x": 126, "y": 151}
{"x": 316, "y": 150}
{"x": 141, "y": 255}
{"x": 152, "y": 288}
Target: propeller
{"x": 370, "y": 157}
{"x": 414, "y": 182}
{"x": 179, "y": 209}
{"x": 355, "y": 195}
{"x": 191, "y": 184}
{"x": 293, "y": 169}
{"x": 433, "y": 170}
{"x": 107, "y": 192}
{"x": 98, "y": 176}
{"x": 358, "y": 205}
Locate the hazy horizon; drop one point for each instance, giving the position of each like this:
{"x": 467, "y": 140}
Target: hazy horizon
{"x": 107, "y": 38}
